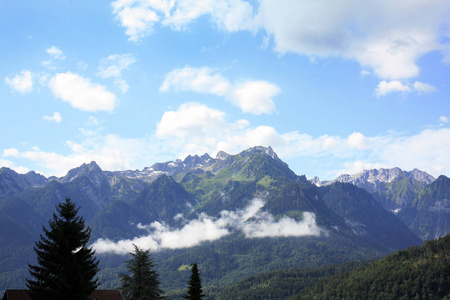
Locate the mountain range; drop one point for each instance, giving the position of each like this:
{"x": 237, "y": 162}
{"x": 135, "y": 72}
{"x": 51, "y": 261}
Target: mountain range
{"x": 235, "y": 215}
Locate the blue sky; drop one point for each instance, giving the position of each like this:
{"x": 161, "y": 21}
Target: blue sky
{"x": 332, "y": 87}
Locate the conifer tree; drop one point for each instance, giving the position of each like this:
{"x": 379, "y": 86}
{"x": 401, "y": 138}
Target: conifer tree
{"x": 195, "y": 291}
{"x": 143, "y": 282}
{"x": 66, "y": 267}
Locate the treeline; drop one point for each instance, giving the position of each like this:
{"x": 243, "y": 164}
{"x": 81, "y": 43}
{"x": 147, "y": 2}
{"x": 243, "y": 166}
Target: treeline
{"x": 416, "y": 273}
{"x": 281, "y": 284}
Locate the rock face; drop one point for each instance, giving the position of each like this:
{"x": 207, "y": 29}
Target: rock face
{"x": 393, "y": 188}
{"x": 428, "y": 215}
{"x": 193, "y": 164}
{"x": 374, "y": 180}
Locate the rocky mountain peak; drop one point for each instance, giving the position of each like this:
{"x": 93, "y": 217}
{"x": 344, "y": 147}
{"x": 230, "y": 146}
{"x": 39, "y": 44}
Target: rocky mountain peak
{"x": 88, "y": 170}
{"x": 260, "y": 149}
{"x": 35, "y": 179}
{"x": 421, "y": 176}
{"x": 222, "y": 155}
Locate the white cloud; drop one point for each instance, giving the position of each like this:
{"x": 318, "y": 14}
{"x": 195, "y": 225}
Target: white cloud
{"x": 121, "y": 84}
{"x": 81, "y": 93}
{"x": 199, "y": 80}
{"x": 255, "y": 97}
{"x": 82, "y": 66}
{"x": 10, "y": 165}
{"x": 357, "y": 140}
{"x": 140, "y": 16}
{"x": 427, "y": 151}
{"x": 22, "y": 83}
{"x": 191, "y": 119}
{"x": 114, "y": 64}
{"x": 358, "y": 166}
{"x": 11, "y": 152}
{"x": 443, "y": 119}
{"x": 228, "y": 15}
{"x": 111, "y": 152}
{"x": 252, "y": 221}
{"x": 424, "y": 87}
{"x": 112, "y": 67}
{"x": 56, "y": 53}
{"x": 195, "y": 129}
{"x": 384, "y": 87}
{"x": 251, "y": 97}
{"x": 385, "y": 37}
{"x": 56, "y": 117}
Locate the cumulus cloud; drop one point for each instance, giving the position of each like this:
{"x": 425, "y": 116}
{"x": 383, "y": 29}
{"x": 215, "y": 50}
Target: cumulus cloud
{"x": 443, "y": 119}
{"x": 387, "y": 37}
{"x": 424, "y": 87}
{"x": 425, "y": 151}
{"x": 199, "y": 80}
{"x": 254, "y": 97}
{"x": 195, "y": 128}
{"x": 9, "y": 164}
{"x": 190, "y": 119}
{"x": 111, "y": 152}
{"x": 385, "y": 87}
{"x": 252, "y": 221}
{"x": 251, "y": 96}
{"x": 56, "y": 53}
{"x": 114, "y": 64}
{"x": 140, "y": 16}
{"x": 358, "y": 166}
{"x": 81, "y": 93}
{"x": 11, "y": 152}
{"x": 384, "y": 37}
{"x": 56, "y": 117}
{"x": 22, "y": 83}
{"x": 228, "y": 15}
{"x": 112, "y": 67}
{"x": 357, "y": 140}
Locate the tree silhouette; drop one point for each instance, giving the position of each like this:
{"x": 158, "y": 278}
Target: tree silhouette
{"x": 194, "y": 285}
{"x": 143, "y": 282}
{"x": 67, "y": 268}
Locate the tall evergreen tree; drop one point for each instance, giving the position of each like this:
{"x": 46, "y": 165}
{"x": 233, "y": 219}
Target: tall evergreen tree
{"x": 195, "y": 291}
{"x": 67, "y": 268}
{"x": 143, "y": 282}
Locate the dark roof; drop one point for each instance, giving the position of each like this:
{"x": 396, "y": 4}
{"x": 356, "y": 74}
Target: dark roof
{"x": 106, "y": 295}
{"x": 16, "y": 295}
{"x": 96, "y": 295}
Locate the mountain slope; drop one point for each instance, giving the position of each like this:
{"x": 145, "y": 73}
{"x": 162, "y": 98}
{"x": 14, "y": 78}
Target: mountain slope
{"x": 393, "y": 188}
{"x": 281, "y": 284}
{"x": 416, "y": 273}
{"x": 366, "y": 217}
{"x": 429, "y": 213}
{"x": 12, "y": 183}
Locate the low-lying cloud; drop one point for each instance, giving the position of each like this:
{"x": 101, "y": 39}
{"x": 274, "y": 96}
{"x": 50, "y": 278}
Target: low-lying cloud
{"x": 251, "y": 221}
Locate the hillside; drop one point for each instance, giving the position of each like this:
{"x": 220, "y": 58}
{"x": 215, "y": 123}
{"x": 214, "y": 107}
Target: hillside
{"x": 429, "y": 214}
{"x": 416, "y": 273}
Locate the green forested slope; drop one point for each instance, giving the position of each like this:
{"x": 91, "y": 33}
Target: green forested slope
{"x": 429, "y": 214}
{"x": 281, "y": 284}
{"x": 416, "y": 273}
